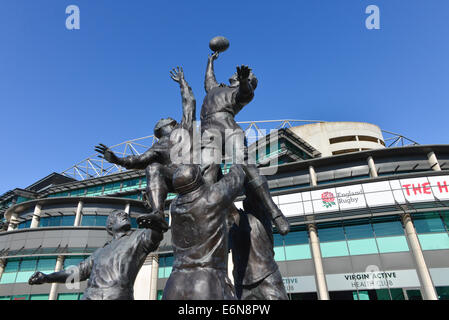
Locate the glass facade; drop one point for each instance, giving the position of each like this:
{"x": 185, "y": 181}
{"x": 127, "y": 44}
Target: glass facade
{"x": 57, "y": 221}
{"x": 20, "y": 270}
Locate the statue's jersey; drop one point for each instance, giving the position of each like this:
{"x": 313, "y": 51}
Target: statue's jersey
{"x": 199, "y": 231}
{"x": 114, "y": 267}
{"x": 251, "y": 242}
{"x": 199, "y": 240}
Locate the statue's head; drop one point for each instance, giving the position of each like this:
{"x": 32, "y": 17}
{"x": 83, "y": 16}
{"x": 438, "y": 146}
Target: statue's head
{"x": 234, "y": 80}
{"x": 164, "y": 127}
{"x": 118, "y": 220}
{"x": 187, "y": 178}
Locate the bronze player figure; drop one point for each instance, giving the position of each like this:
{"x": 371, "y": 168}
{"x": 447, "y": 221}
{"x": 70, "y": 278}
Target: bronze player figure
{"x": 256, "y": 274}
{"x": 221, "y": 104}
{"x": 199, "y": 235}
{"x": 156, "y": 161}
{"x": 111, "y": 270}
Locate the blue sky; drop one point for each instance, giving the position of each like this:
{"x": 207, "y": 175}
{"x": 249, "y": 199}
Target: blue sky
{"x": 62, "y": 92}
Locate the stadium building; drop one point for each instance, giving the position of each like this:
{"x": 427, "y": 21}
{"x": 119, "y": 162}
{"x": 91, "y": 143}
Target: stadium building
{"x": 369, "y": 216}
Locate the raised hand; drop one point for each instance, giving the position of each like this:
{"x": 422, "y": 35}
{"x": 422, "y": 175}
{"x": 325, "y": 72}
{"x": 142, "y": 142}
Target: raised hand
{"x": 243, "y": 72}
{"x": 177, "y": 74}
{"x": 37, "y": 278}
{"x": 214, "y": 56}
{"x": 106, "y": 153}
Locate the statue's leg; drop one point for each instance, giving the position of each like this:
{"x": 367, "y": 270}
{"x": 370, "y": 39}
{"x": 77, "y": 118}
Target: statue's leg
{"x": 258, "y": 186}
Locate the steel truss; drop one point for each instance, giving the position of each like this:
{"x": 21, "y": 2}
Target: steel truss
{"x": 94, "y": 167}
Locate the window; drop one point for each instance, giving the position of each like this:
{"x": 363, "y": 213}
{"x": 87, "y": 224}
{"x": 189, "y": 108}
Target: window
{"x": 69, "y": 296}
{"x": 57, "y": 221}
{"x": 20, "y": 270}
{"x": 94, "y": 221}
{"x": 431, "y": 231}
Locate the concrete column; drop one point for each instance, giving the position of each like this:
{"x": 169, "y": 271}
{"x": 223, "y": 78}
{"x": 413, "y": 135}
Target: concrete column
{"x": 127, "y": 207}
{"x": 54, "y": 286}
{"x": 154, "y": 276}
{"x": 320, "y": 278}
{"x": 36, "y": 216}
{"x": 433, "y": 161}
{"x": 372, "y": 167}
{"x": 79, "y": 214}
{"x": 13, "y": 222}
{"x": 313, "y": 178}
{"x": 2, "y": 267}
{"x": 427, "y": 287}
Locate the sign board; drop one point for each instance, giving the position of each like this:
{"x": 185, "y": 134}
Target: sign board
{"x": 372, "y": 194}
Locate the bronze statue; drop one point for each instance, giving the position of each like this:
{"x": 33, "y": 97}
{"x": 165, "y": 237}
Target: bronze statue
{"x": 156, "y": 161}
{"x": 256, "y": 274}
{"x": 199, "y": 235}
{"x": 111, "y": 270}
{"x": 221, "y": 104}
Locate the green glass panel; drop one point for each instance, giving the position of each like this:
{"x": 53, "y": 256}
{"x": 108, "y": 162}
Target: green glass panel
{"x": 397, "y": 294}
{"x": 12, "y": 266}
{"x": 28, "y": 265}
{"x": 383, "y": 294}
{"x": 160, "y": 293}
{"x": 391, "y": 228}
{"x": 100, "y": 221}
{"x": 443, "y": 293}
{"x": 298, "y": 252}
{"x": 428, "y": 222}
{"x": 9, "y": 277}
{"x": 46, "y": 265}
{"x": 68, "y": 296}
{"x": 68, "y": 221}
{"x": 392, "y": 244}
{"x": 5, "y": 298}
{"x": 434, "y": 241}
{"x": 88, "y": 220}
{"x": 296, "y": 237}
{"x": 20, "y": 297}
{"x": 362, "y": 246}
{"x": 333, "y": 232}
{"x": 334, "y": 249}
{"x": 359, "y": 230}
{"x": 23, "y": 276}
{"x": 72, "y": 261}
{"x": 279, "y": 254}
{"x": 39, "y": 297}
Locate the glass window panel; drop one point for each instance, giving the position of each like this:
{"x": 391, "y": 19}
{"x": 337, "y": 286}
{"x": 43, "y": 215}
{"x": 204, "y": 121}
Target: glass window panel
{"x": 72, "y": 261}
{"x": 21, "y": 297}
{"x": 12, "y": 266}
{"x": 362, "y": 246}
{"x": 5, "y": 298}
{"x": 392, "y": 244}
{"x": 443, "y": 293}
{"x": 331, "y": 234}
{"x": 100, "y": 221}
{"x": 298, "y": 252}
{"x": 296, "y": 237}
{"x": 134, "y": 223}
{"x": 279, "y": 254}
{"x": 28, "y": 265}
{"x": 8, "y": 277}
{"x": 278, "y": 240}
{"x": 434, "y": 241}
{"x": 88, "y": 220}
{"x": 425, "y": 223}
{"x": 68, "y": 296}
{"x": 46, "y": 264}
{"x": 334, "y": 249}
{"x": 39, "y": 297}
{"x": 55, "y": 221}
{"x": 390, "y": 228}
{"x": 23, "y": 276}
{"x": 43, "y": 222}
{"x": 360, "y": 230}
{"x": 68, "y": 221}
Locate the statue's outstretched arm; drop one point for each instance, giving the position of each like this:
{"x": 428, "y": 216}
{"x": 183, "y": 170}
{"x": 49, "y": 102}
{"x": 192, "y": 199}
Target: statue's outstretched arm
{"x": 72, "y": 274}
{"x": 131, "y": 162}
{"x": 188, "y": 99}
{"x": 246, "y": 92}
{"x": 230, "y": 186}
{"x": 210, "y": 82}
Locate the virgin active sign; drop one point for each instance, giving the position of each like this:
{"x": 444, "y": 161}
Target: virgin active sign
{"x": 366, "y": 195}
